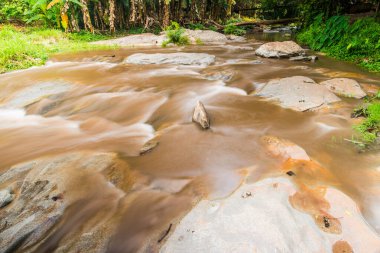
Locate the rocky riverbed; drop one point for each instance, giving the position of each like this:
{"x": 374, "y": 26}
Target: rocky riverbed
{"x": 230, "y": 146}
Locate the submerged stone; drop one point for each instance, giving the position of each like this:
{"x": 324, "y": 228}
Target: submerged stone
{"x": 200, "y": 116}
{"x": 199, "y": 59}
{"x": 149, "y": 146}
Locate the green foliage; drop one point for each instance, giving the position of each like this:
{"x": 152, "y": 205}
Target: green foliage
{"x": 176, "y": 35}
{"x": 235, "y": 30}
{"x": 196, "y": 26}
{"x": 369, "y": 129}
{"x": 24, "y": 48}
{"x": 12, "y": 10}
{"x": 359, "y": 42}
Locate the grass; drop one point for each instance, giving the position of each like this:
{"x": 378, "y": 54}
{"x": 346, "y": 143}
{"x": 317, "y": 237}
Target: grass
{"x": 22, "y": 48}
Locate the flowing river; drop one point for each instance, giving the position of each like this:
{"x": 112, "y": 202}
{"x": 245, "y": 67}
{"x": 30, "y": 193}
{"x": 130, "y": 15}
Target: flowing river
{"x": 84, "y": 117}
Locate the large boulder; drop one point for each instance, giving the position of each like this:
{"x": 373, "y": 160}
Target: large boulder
{"x": 45, "y": 188}
{"x": 279, "y": 49}
{"x": 206, "y": 36}
{"x": 199, "y": 59}
{"x": 345, "y": 87}
{"x": 271, "y": 216}
{"x": 298, "y": 93}
{"x": 139, "y": 40}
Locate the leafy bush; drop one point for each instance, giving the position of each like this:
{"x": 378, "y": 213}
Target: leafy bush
{"x": 235, "y": 30}
{"x": 12, "y": 10}
{"x": 196, "y": 26}
{"x": 176, "y": 35}
{"x": 359, "y": 42}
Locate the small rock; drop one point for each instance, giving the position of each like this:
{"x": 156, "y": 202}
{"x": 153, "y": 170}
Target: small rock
{"x": 345, "y": 87}
{"x": 312, "y": 58}
{"x": 290, "y": 173}
{"x": 6, "y": 197}
{"x": 200, "y": 116}
{"x": 280, "y": 49}
{"x": 149, "y": 146}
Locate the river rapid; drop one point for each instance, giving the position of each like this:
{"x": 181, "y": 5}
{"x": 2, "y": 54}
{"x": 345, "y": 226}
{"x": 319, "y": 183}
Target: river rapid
{"x": 93, "y": 104}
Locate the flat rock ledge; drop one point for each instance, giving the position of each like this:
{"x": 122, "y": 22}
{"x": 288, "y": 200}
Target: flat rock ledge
{"x": 260, "y": 218}
{"x": 345, "y": 87}
{"x": 150, "y": 39}
{"x": 198, "y": 59}
{"x": 298, "y": 93}
{"x": 284, "y": 49}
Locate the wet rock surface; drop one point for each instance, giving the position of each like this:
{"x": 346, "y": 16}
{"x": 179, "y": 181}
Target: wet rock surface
{"x": 139, "y": 40}
{"x": 284, "y": 149}
{"x": 199, "y": 59}
{"x": 43, "y": 195}
{"x": 249, "y": 219}
{"x": 200, "y": 116}
{"x": 284, "y": 49}
{"x": 312, "y": 58}
{"x": 6, "y": 197}
{"x": 298, "y": 93}
{"x": 35, "y": 93}
{"x": 345, "y": 87}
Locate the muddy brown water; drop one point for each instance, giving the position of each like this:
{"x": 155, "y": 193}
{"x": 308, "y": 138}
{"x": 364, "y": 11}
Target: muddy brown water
{"x": 116, "y": 107}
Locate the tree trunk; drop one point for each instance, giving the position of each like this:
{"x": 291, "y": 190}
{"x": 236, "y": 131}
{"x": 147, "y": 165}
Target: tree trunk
{"x": 112, "y": 15}
{"x": 86, "y": 17}
{"x": 64, "y": 17}
{"x": 166, "y": 20}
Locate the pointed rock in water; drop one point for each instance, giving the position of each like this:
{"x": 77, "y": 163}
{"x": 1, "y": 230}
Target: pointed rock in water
{"x": 149, "y": 146}
{"x": 200, "y": 116}
{"x": 6, "y": 197}
{"x": 345, "y": 87}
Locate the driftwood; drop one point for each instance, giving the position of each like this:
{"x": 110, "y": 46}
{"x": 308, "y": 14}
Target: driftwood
{"x": 256, "y": 23}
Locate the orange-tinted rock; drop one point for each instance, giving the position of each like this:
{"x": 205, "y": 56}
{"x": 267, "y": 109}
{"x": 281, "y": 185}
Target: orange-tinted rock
{"x": 309, "y": 172}
{"x": 342, "y": 247}
{"x": 284, "y": 149}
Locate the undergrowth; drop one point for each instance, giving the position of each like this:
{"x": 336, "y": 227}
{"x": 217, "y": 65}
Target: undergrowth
{"x": 369, "y": 128}
{"x": 358, "y": 42}
{"x": 176, "y": 35}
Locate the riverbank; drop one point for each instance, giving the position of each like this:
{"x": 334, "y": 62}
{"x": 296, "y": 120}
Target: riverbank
{"x": 23, "y": 47}
{"x": 338, "y": 37}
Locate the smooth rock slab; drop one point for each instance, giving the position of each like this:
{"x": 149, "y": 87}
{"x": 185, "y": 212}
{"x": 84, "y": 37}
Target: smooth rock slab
{"x": 279, "y": 49}
{"x": 345, "y": 87}
{"x": 298, "y": 93}
{"x": 35, "y": 93}
{"x": 259, "y": 218}
{"x": 139, "y": 40}
{"x": 199, "y": 59}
